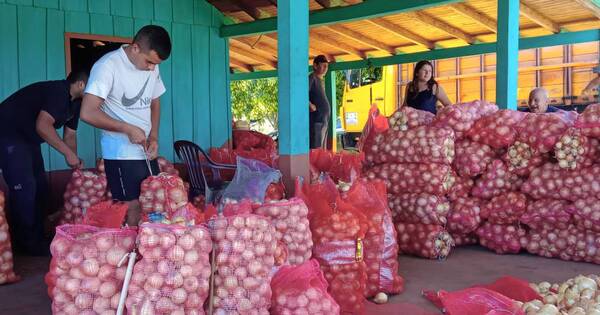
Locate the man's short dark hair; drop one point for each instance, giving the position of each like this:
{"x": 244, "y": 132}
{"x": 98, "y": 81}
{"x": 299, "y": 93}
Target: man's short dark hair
{"x": 320, "y": 59}
{"x": 154, "y": 37}
{"x": 78, "y": 75}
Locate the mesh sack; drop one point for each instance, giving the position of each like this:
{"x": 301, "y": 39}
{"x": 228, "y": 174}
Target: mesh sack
{"x": 586, "y": 214}
{"x": 495, "y": 181}
{"x": 7, "y": 274}
{"x": 424, "y": 240}
{"x": 589, "y": 121}
{"x": 502, "y": 239}
{"x": 429, "y": 178}
{"x": 302, "y": 289}
{"x": 85, "y": 189}
{"x": 506, "y": 208}
{"x": 464, "y": 216}
{"x": 419, "y": 208}
{"x": 173, "y": 275}
{"x": 407, "y": 118}
{"x": 549, "y": 181}
{"x": 543, "y": 214}
{"x": 165, "y": 166}
{"x": 85, "y": 270}
{"x": 472, "y": 158}
{"x": 461, "y": 117}
{"x": 251, "y": 180}
{"x": 498, "y": 129}
{"x": 575, "y": 150}
{"x": 106, "y": 214}
{"x": 161, "y": 196}
{"x": 541, "y": 131}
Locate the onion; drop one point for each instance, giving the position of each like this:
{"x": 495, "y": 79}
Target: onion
{"x": 427, "y": 241}
{"x": 589, "y": 121}
{"x": 81, "y": 187}
{"x": 461, "y": 117}
{"x": 464, "y": 216}
{"x": 503, "y": 239}
{"x": 431, "y": 178}
{"x": 495, "y": 181}
{"x": 506, "y": 208}
{"x": 162, "y": 194}
{"x": 551, "y": 182}
{"x": 543, "y": 214}
{"x": 472, "y": 158}
{"x": 419, "y": 208}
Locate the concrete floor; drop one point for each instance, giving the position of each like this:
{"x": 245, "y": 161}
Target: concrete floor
{"x": 465, "y": 267}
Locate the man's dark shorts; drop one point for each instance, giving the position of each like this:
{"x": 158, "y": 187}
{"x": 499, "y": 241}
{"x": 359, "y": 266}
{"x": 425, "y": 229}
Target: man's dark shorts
{"x": 125, "y": 177}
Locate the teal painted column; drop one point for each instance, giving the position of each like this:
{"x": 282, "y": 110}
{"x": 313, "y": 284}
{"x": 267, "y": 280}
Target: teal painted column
{"x": 507, "y": 54}
{"x": 292, "y": 28}
{"x": 330, "y": 91}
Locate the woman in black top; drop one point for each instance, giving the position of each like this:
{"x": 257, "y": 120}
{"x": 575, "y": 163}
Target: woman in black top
{"x": 423, "y": 92}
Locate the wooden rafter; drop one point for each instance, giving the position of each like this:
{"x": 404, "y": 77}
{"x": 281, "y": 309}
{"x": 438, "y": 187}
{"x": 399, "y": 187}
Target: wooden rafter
{"x": 240, "y": 64}
{"x": 273, "y": 2}
{"x": 442, "y": 26}
{"x": 590, "y": 5}
{"x": 250, "y": 9}
{"x": 539, "y": 18}
{"x": 324, "y": 3}
{"x": 399, "y": 31}
{"x": 252, "y": 55}
{"x": 354, "y": 35}
{"x": 272, "y": 40}
{"x": 260, "y": 44}
{"x": 477, "y": 16}
{"x": 340, "y": 45}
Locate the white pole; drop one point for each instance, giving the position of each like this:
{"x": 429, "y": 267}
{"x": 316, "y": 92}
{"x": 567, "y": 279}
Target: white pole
{"x": 123, "y": 296}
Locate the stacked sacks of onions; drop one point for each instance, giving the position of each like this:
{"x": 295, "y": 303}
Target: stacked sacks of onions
{"x": 501, "y": 238}
{"x": 86, "y": 274}
{"x": 506, "y": 208}
{"x": 431, "y": 178}
{"x": 589, "y": 121}
{"x": 574, "y": 150}
{"x": 495, "y": 181}
{"x": 380, "y": 245}
{"x": 461, "y": 117}
{"x": 472, "y": 158}
{"x": 552, "y": 182}
{"x": 244, "y": 247}
{"x": 497, "y": 130}
{"x": 464, "y": 216}
{"x": 419, "y": 208}
{"x": 290, "y": 219}
{"x": 586, "y": 214}
{"x": 302, "y": 289}
{"x": 84, "y": 190}
{"x": 161, "y": 196}
{"x": 408, "y": 118}
{"x": 572, "y": 244}
{"x": 7, "y": 274}
{"x": 548, "y": 214}
{"x": 424, "y": 240}
{"x": 173, "y": 275}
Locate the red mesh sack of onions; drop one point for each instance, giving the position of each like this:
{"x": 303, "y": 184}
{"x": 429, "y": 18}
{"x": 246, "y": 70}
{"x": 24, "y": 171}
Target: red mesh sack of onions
{"x": 423, "y": 144}
{"x": 424, "y": 240}
{"x": 7, "y": 274}
{"x": 495, "y": 181}
{"x": 589, "y": 121}
{"x": 337, "y": 236}
{"x": 290, "y": 219}
{"x": 464, "y": 239}
{"x": 302, "y": 289}
{"x": 106, "y": 214}
{"x": 376, "y": 124}
{"x": 522, "y": 160}
{"x": 419, "y": 208}
{"x": 464, "y": 216}
{"x": 407, "y": 118}
{"x": 570, "y": 244}
{"x": 472, "y": 158}
{"x": 321, "y": 159}
{"x": 162, "y": 194}
{"x": 506, "y": 208}
{"x": 541, "y": 131}
{"x": 86, "y": 268}
{"x": 552, "y": 182}
{"x": 502, "y": 239}
{"x": 498, "y": 129}
{"x": 84, "y": 190}
{"x": 461, "y": 117}
{"x": 173, "y": 275}
{"x": 346, "y": 166}
{"x": 586, "y": 214}
{"x": 574, "y": 150}
{"x": 245, "y": 247}
{"x": 380, "y": 245}
{"x": 166, "y": 166}
{"x": 102, "y": 172}
{"x": 548, "y": 213}
{"x": 462, "y": 188}
{"x": 429, "y": 178}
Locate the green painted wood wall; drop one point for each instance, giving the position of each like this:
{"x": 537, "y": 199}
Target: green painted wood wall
{"x": 196, "y": 104}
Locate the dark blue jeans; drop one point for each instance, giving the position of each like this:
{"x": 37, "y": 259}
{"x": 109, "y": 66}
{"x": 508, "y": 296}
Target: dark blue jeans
{"x": 23, "y": 170}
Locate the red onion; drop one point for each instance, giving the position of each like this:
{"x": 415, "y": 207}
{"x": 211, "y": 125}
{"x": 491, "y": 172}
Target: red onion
{"x": 408, "y": 118}
{"x": 551, "y": 182}
{"x": 464, "y": 215}
{"x": 7, "y": 274}
{"x": 83, "y": 280}
{"x": 541, "y": 131}
{"x": 424, "y": 240}
{"x": 461, "y": 117}
{"x": 347, "y": 166}
{"x": 165, "y": 166}
{"x": 162, "y": 194}
{"x": 84, "y": 190}
{"x": 461, "y": 188}
{"x": 302, "y": 289}
{"x": 589, "y": 121}
{"x": 586, "y": 214}
{"x": 506, "y": 208}
{"x": 420, "y": 145}
{"x": 548, "y": 213}
{"x": 290, "y": 219}
{"x": 495, "y": 181}
{"x": 173, "y": 278}
{"x": 245, "y": 247}
{"x": 574, "y": 150}
{"x": 399, "y": 178}
{"x": 419, "y": 208}
{"x": 570, "y": 244}
{"x": 472, "y": 158}
{"x": 275, "y": 191}
{"x": 503, "y": 239}
{"x": 496, "y": 130}
{"x": 463, "y": 240}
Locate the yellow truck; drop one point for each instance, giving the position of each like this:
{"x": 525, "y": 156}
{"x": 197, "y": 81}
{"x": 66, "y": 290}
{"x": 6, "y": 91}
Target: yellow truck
{"x": 562, "y": 70}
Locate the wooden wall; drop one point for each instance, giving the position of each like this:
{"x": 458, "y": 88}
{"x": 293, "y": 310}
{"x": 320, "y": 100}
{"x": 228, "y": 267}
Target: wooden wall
{"x": 196, "y": 104}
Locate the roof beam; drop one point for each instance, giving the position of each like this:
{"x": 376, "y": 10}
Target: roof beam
{"x": 272, "y": 39}
{"x": 363, "y": 10}
{"x": 273, "y": 2}
{"x": 341, "y": 46}
{"x": 250, "y": 55}
{"x": 399, "y": 31}
{"x": 257, "y": 44}
{"x": 251, "y": 10}
{"x": 477, "y": 16}
{"x": 590, "y": 5}
{"x": 324, "y": 3}
{"x": 362, "y": 38}
{"x": 442, "y": 26}
{"x": 539, "y": 18}
{"x": 240, "y": 64}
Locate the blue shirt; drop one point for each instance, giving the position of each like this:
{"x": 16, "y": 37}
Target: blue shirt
{"x": 550, "y": 109}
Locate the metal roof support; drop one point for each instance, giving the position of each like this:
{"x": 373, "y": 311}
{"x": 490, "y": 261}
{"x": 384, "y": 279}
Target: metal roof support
{"x": 507, "y": 54}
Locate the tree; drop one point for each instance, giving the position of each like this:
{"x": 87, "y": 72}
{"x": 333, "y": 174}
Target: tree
{"x": 255, "y": 100}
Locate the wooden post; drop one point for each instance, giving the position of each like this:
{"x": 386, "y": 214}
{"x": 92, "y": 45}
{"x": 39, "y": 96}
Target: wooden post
{"x": 507, "y": 52}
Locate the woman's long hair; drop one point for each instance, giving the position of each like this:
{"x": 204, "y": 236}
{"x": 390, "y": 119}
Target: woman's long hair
{"x": 413, "y": 86}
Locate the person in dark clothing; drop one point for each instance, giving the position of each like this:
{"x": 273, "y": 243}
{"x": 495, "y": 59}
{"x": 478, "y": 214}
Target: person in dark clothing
{"x": 423, "y": 92}
{"x": 538, "y": 102}
{"x": 318, "y": 103}
{"x": 28, "y": 118}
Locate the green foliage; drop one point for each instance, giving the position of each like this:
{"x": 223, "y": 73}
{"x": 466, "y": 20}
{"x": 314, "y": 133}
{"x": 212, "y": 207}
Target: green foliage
{"x": 255, "y": 100}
